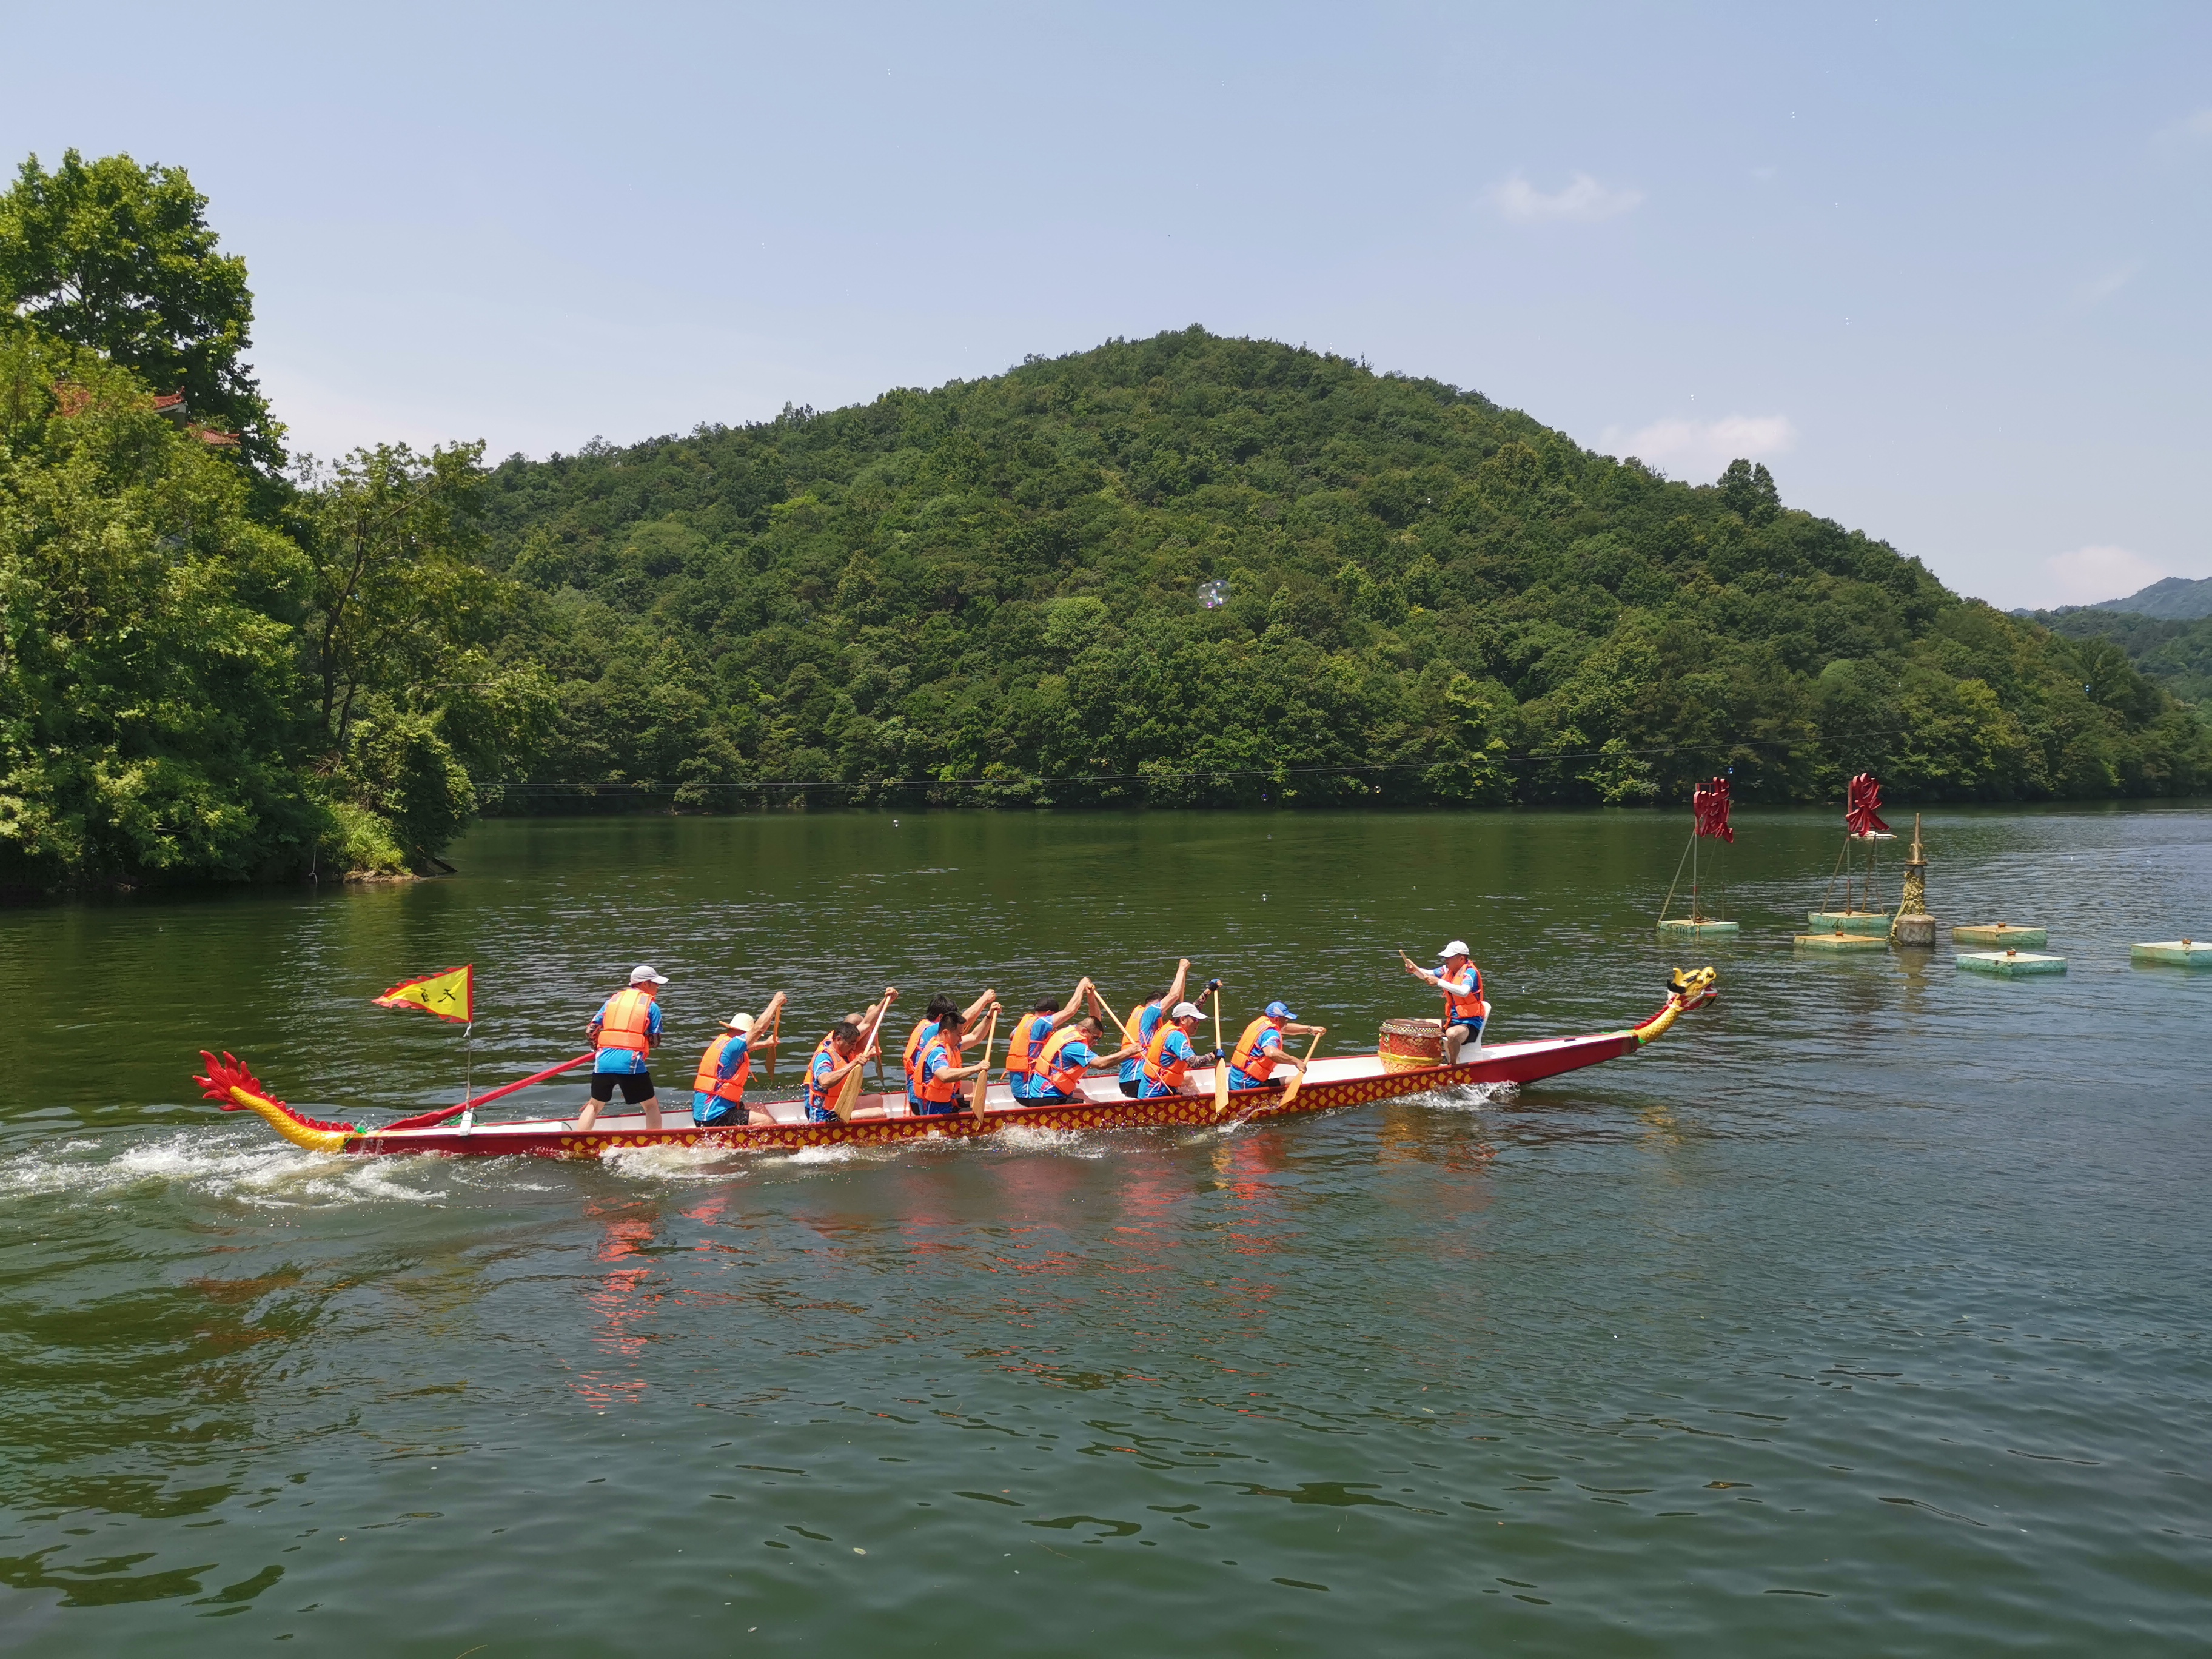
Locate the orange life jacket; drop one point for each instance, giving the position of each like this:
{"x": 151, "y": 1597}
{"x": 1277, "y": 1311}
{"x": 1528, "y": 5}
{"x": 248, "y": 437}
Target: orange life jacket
{"x": 1464, "y": 1006}
{"x": 1027, "y": 1043}
{"x": 923, "y": 1031}
{"x": 1246, "y": 1059}
{"x": 1160, "y": 1070}
{"x": 939, "y": 1091}
{"x": 627, "y": 1024}
{"x": 733, "y": 1087}
{"x": 1133, "y": 1029}
{"x": 1068, "y": 1080}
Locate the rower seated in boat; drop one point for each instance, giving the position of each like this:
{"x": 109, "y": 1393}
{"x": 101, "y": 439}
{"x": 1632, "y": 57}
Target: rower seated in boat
{"x": 1143, "y": 1024}
{"x": 1170, "y": 1055}
{"x": 925, "y": 1028}
{"x": 1068, "y": 1052}
{"x": 623, "y": 1033}
{"x": 938, "y": 1073}
{"x": 1460, "y": 981}
{"x": 1035, "y": 1029}
{"x": 718, "y": 1092}
{"x": 837, "y": 1054}
{"x": 1258, "y": 1061}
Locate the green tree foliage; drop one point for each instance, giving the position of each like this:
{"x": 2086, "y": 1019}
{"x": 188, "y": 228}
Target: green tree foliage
{"x": 2175, "y": 653}
{"x": 147, "y": 672}
{"x": 995, "y": 585}
{"x": 119, "y": 257}
{"x": 414, "y": 698}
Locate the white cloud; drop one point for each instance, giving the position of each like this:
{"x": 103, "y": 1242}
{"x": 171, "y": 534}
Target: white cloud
{"x": 1583, "y": 199}
{"x": 2103, "y": 286}
{"x": 2089, "y": 574}
{"x": 2198, "y": 125}
{"x": 1700, "y": 449}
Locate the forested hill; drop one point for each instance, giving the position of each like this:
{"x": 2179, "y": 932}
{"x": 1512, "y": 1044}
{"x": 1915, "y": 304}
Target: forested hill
{"x": 1430, "y": 598}
{"x": 1185, "y": 570}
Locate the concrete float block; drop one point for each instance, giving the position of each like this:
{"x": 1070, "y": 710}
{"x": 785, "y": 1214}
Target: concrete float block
{"x": 1918, "y": 932}
{"x": 2010, "y": 964}
{"x": 2175, "y": 953}
{"x": 1848, "y": 921}
{"x": 2002, "y": 935}
{"x": 1840, "y": 942}
{"x": 1688, "y": 929}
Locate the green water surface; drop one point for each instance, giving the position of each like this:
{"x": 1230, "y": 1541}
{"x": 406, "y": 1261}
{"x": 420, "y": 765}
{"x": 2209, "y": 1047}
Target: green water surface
{"x": 1867, "y": 1313}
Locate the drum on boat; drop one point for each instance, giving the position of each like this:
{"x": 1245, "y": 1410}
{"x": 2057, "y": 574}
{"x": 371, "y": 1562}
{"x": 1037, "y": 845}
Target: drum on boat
{"x": 1409, "y": 1044}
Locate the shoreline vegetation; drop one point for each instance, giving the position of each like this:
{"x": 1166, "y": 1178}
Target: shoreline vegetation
{"x": 1186, "y": 571}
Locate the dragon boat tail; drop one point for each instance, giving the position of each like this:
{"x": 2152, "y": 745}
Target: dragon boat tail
{"x": 1409, "y": 1060}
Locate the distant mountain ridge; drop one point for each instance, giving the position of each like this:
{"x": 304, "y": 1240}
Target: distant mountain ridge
{"x": 2174, "y": 599}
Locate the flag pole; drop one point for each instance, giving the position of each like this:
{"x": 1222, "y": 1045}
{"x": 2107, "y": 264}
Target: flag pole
{"x": 468, "y": 1074}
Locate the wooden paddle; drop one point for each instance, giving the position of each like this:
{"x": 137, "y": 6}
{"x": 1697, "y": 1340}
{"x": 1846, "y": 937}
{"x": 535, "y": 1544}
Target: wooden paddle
{"x": 774, "y": 1030}
{"x": 849, "y": 1086}
{"x": 1291, "y": 1089}
{"x": 983, "y": 1076}
{"x": 1221, "y": 1060}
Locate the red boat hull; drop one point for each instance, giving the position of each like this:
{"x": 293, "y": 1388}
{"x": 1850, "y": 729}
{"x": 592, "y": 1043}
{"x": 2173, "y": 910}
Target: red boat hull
{"x": 1352, "y": 1080}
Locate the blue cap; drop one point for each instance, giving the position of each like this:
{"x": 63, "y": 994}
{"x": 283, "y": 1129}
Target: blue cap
{"x": 1279, "y": 1011}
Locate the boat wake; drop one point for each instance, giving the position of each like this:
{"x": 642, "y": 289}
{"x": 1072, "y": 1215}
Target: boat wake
{"x": 279, "y": 1176}
{"x": 1470, "y": 1096}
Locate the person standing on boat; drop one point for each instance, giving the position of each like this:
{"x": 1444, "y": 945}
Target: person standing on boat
{"x": 1032, "y": 1030}
{"x": 1170, "y": 1055}
{"x": 1258, "y": 1061}
{"x": 1068, "y": 1052}
{"x": 938, "y": 1073}
{"x": 623, "y": 1032}
{"x": 925, "y": 1028}
{"x": 718, "y": 1092}
{"x": 837, "y": 1054}
{"x": 1460, "y": 981}
{"x": 1144, "y": 1023}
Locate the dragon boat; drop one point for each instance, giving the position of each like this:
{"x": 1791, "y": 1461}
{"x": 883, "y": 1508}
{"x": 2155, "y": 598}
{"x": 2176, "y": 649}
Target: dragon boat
{"x": 1408, "y": 1059}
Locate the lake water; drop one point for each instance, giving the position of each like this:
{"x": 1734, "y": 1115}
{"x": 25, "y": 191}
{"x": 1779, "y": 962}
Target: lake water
{"x": 1867, "y": 1312}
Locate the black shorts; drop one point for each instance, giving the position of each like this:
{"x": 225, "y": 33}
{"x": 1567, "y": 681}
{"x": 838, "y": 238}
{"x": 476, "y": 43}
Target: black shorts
{"x": 635, "y": 1086}
{"x": 1129, "y": 1087}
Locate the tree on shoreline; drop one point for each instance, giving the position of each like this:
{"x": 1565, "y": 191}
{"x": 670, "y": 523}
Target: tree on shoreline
{"x": 120, "y": 259}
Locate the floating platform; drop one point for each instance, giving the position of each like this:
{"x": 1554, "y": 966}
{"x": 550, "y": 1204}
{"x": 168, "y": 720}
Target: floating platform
{"x": 2010, "y": 964}
{"x": 1840, "y": 941}
{"x": 2002, "y": 935}
{"x": 2175, "y": 953}
{"x": 1706, "y": 929}
{"x": 1848, "y": 921}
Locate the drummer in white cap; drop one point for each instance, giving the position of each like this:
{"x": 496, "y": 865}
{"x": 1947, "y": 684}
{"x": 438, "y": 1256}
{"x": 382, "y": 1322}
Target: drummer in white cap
{"x": 1460, "y": 981}
{"x": 623, "y": 1032}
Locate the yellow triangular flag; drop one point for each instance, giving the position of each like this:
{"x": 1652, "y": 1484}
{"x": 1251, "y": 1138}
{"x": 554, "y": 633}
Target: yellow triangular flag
{"x": 450, "y": 995}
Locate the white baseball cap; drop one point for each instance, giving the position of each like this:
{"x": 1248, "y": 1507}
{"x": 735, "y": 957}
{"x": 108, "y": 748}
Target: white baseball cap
{"x": 642, "y": 972}
{"x": 1186, "y": 1011}
{"x": 1456, "y": 948}
{"x": 740, "y": 1023}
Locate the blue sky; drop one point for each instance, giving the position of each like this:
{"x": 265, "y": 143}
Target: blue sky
{"x": 1944, "y": 269}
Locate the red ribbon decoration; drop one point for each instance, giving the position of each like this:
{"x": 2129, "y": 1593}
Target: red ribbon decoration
{"x": 1861, "y": 805}
{"x": 1709, "y": 810}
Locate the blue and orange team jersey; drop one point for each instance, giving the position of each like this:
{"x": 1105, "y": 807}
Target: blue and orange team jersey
{"x": 732, "y": 1056}
{"x": 1147, "y": 1023}
{"x": 934, "y": 1059}
{"x": 1270, "y": 1040}
{"x": 625, "y": 1060}
{"x": 824, "y": 1063}
{"x": 1031, "y": 1086}
{"x": 1177, "y": 1046}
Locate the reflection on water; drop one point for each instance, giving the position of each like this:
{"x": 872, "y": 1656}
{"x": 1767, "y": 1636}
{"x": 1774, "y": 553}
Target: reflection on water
{"x": 1864, "y": 1313}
